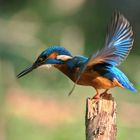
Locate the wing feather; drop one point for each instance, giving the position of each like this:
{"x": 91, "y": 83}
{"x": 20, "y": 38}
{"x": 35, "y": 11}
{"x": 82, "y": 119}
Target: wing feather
{"x": 118, "y": 43}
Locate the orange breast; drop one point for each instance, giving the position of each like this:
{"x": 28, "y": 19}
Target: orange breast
{"x": 66, "y": 70}
{"x": 95, "y": 80}
{"x": 88, "y": 78}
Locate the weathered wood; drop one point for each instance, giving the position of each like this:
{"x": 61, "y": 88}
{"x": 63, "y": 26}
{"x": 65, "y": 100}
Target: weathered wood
{"x": 100, "y": 119}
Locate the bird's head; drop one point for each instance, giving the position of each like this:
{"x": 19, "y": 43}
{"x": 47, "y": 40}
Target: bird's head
{"x": 53, "y": 55}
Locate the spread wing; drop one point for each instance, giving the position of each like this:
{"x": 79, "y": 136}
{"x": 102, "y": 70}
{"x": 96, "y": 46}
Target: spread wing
{"x": 118, "y": 42}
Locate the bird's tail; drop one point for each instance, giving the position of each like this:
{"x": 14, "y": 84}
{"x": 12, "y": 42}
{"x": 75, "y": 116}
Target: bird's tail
{"x": 120, "y": 76}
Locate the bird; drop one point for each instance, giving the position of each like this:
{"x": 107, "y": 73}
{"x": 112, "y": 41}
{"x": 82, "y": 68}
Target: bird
{"x": 100, "y": 70}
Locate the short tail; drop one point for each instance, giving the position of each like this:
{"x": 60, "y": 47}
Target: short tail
{"x": 124, "y": 81}
{"x": 131, "y": 87}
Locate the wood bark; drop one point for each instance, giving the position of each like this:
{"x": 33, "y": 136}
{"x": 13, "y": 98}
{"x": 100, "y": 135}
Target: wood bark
{"x": 100, "y": 118}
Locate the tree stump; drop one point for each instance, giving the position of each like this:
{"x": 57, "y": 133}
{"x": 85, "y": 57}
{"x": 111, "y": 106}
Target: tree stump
{"x": 100, "y": 118}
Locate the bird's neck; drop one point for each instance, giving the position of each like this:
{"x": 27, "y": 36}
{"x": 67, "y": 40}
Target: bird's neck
{"x": 64, "y": 68}
{"x": 71, "y": 68}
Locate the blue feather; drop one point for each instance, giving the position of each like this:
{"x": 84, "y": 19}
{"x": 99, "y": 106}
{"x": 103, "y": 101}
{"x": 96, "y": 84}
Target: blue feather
{"x": 59, "y": 49}
{"x": 119, "y": 37}
{"x": 77, "y": 61}
{"x": 114, "y": 72}
{"x": 118, "y": 43}
{"x": 110, "y": 72}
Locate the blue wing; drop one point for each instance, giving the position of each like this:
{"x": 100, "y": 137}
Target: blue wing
{"x": 121, "y": 78}
{"x": 112, "y": 73}
{"x": 118, "y": 42}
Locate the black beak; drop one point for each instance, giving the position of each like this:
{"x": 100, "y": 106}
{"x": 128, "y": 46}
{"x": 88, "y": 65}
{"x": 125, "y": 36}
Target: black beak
{"x": 26, "y": 71}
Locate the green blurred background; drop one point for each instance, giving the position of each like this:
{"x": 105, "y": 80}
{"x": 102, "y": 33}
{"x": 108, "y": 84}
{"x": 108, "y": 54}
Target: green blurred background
{"x": 36, "y": 107}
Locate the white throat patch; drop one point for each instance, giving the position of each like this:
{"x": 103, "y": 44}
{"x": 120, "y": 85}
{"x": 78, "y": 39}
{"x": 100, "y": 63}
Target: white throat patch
{"x": 48, "y": 66}
{"x": 63, "y": 57}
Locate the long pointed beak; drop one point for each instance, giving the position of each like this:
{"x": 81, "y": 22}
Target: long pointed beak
{"x": 26, "y": 71}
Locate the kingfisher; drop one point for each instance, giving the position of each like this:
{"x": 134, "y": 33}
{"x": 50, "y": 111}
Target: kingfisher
{"x": 101, "y": 69}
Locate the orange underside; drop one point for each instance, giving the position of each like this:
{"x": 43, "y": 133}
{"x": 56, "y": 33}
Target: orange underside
{"x": 89, "y": 78}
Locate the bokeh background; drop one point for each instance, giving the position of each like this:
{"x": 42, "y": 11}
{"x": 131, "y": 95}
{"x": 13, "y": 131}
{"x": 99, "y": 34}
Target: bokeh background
{"x": 36, "y": 107}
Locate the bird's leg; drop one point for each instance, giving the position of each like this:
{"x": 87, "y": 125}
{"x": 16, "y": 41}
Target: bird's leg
{"x": 97, "y": 95}
{"x": 105, "y": 94}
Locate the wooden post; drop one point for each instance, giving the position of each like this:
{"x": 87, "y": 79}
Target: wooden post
{"x": 100, "y": 119}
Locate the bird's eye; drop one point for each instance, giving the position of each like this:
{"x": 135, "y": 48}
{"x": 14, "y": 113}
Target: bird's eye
{"x": 41, "y": 59}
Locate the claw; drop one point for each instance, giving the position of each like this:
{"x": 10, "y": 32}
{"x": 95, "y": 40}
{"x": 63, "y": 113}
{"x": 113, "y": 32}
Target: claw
{"x": 105, "y": 94}
{"x": 97, "y": 95}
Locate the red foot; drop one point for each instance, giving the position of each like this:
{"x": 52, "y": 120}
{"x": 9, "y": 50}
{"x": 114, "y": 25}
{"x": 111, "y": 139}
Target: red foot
{"x": 97, "y": 96}
{"x": 105, "y": 94}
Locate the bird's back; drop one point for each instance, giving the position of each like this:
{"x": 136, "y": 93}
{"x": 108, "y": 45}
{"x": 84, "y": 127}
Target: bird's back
{"x": 114, "y": 72}
{"x": 115, "y": 75}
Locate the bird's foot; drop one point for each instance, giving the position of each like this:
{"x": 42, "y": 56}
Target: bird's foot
{"x": 96, "y": 98}
{"x": 105, "y": 95}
